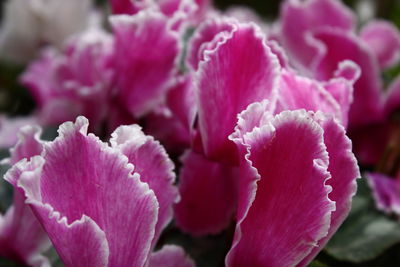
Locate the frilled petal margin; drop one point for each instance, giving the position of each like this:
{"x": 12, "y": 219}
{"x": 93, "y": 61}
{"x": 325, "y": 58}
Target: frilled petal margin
{"x": 287, "y": 209}
{"x": 239, "y": 70}
{"x": 291, "y": 160}
{"x": 344, "y": 171}
{"x": 211, "y": 29}
{"x": 154, "y": 166}
{"x": 383, "y": 38}
{"x": 95, "y": 210}
{"x": 142, "y": 78}
{"x": 208, "y": 195}
{"x": 170, "y": 256}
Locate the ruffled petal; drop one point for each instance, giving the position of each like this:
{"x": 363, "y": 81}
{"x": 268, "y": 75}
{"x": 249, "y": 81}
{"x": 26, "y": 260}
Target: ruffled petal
{"x": 344, "y": 171}
{"x": 338, "y": 47}
{"x": 386, "y": 192}
{"x": 283, "y": 183}
{"x": 383, "y": 39}
{"x": 142, "y": 78}
{"x": 211, "y": 29}
{"x": 299, "y": 19}
{"x": 170, "y": 256}
{"x": 82, "y": 182}
{"x": 297, "y": 92}
{"x": 154, "y": 166}
{"x": 208, "y": 195}
{"x": 239, "y": 71}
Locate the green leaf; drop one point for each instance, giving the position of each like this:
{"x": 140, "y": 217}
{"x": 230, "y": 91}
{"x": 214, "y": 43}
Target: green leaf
{"x": 366, "y": 233}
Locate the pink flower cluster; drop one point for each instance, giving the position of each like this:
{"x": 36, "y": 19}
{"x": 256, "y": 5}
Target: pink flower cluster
{"x": 257, "y": 113}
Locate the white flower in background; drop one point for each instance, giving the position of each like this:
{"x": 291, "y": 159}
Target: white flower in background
{"x": 28, "y": 24}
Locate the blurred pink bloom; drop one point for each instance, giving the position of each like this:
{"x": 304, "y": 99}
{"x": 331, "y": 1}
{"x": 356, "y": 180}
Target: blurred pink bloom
{"x": 74, "y": 82}
{"x": 109, "y": 201}
{"x": 22, "y": 238}
{"x": 9, "y": 127}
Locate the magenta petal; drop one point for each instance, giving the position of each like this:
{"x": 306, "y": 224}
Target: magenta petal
{"x": 344, "y": 171}
{"x": 154, "y": 166}
{"x": 170, "y": 256}
{"x": 288, "y": 164}
{"x": 128, "y": 6}
{"x": 383, "y": 38}
{"x": 297, "y": 92}
{"x": 239, "y": 71}
{"x": 341, "y": 46}
{"x": 209, "y": 30}
{"x": 299, "y": 19}
{"x": 392, "y": 97}
{"x": 208, "y": 195}
{"x": 386, "y": 192}
{"x": 82, "y": 185}
{"x": 146, "y": 51}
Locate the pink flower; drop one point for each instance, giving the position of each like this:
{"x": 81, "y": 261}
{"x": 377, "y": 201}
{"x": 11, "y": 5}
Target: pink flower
{"x": 101, "y": 204}
{"x": 279, "y": 162}
{"x": 319, "y": 35}
{"x": 76, "y": 81}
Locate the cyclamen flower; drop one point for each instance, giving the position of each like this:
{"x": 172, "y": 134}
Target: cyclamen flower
{"x": 319, "y": 34}
{"x": 22, "y": 238}
{"x": 102, "y": 205}
{"x": 30, "y": 23}
{"x": 75, "y": 81}
{"x": 276, "y": 163}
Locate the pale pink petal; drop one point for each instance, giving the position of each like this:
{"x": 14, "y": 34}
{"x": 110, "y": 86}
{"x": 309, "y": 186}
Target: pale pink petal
{"x": 341, "y": 46}
{"x": 285, "y": 198}
{"x": 208, "y": 195}
{"x": 386, "y": 192}
{"x": 146, "y": 51}
{"x": 344, "y": 171}
{"x": 299, "y": 19}
{"x": 170, "y": 256}
{"x": 211, "y": 29}
{"x": 239, "y": 71}
{"x": 383, "y": 38}
{"x": 82, "y": 185}
{"x": 152, "y": 163}
{"x": 9, "y": 128}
